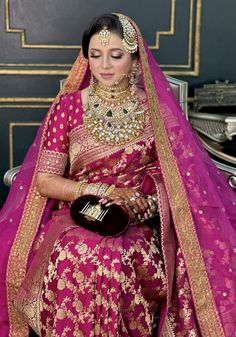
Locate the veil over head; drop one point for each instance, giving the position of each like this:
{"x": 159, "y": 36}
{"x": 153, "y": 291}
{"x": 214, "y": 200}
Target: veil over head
{"x": 202, "y": 207}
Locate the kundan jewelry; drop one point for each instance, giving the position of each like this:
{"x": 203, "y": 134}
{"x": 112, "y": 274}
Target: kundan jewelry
{"x": 129, "y": 41}
{"x": 113, "y": 114}
{"x": 104, "y": 36}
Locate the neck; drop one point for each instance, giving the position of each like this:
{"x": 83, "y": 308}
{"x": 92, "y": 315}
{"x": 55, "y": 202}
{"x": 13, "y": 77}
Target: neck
{"x": 116, "y": 88}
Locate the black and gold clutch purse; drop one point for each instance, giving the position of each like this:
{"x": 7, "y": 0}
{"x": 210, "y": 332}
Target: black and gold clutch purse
{"x": 87, "y": 212}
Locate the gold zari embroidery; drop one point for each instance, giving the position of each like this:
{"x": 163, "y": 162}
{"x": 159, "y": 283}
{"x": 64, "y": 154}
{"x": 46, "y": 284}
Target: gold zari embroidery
{"x": 52, "y": 162}
{"x": 209, "y": 321}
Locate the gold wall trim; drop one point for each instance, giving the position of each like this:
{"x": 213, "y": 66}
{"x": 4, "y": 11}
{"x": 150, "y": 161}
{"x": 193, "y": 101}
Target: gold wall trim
{"x": 26, "y": 99}
{"x": 12, "y": 126}
{"x": 23, "y": 106}
{"x": 22, "y": 31}
{"x": 33, "y": 72}
{"x": 23, "y": 34}
{"x": 171, "y": 31}
{"x": 35, "y": 65}
{"x": 25, "y": 102}
{"x": 190, "y": 42}
{"x": 196, "y": 61}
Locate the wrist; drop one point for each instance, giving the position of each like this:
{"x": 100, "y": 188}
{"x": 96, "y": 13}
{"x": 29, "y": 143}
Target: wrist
{"x": 99, "y": 189}
{"x": 79, "y": 189}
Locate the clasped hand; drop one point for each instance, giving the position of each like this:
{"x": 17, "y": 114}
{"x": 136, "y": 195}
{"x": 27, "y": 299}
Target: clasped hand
{"x": 137, "y": 204}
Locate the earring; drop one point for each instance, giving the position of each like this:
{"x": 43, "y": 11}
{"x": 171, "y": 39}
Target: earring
{"x": 120, "y": 79}
{"x": 133, "y": 78}
{"x": 91, "y": 84}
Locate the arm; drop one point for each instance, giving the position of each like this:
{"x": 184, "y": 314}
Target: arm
{"x": 54, "y": 156}
{"x": 56, "y": 187}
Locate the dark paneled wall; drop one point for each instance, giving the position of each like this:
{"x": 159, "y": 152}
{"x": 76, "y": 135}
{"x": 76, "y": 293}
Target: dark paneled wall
{"x": 192, "y": 39}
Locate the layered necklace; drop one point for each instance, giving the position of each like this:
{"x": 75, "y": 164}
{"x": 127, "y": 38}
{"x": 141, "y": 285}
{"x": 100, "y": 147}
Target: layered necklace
{"x": 113, "y": 114}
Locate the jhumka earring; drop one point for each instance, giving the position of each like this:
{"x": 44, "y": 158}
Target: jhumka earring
{"x": 104, "y": 36}
{"x": 133, "y": 78}
{"x": 91, "y": 84}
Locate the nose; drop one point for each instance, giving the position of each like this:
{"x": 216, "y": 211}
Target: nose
{"x": 106, "y": 62}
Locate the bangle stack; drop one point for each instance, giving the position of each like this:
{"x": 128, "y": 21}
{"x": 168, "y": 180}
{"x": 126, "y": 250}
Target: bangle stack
{"x": 152, "y": 208}
{"x": 152, "y": 202}
{"x": 78, "y": 189}
{"x": 99, "y": 189}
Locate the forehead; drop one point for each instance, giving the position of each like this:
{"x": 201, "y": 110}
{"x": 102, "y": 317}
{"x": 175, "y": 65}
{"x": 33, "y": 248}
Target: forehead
{"x": 114, "y": 42}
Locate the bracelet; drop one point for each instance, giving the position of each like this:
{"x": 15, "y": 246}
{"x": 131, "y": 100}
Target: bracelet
{"x": 92, "y": 188}
{"x": 152, "y": 204}
{"x": 99, "y": 189}
{"x": 102, "y": 190}
{"x": 109, "y": 190}
{"x": 78, "y": 189}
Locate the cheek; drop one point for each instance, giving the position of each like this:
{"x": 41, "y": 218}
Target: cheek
{"x": 93, "y": 64}
{"x": 124, "y": 66}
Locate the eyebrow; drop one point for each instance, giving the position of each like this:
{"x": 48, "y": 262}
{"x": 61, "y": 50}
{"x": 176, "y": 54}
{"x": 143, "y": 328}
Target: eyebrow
{"x": 113, "y": 49}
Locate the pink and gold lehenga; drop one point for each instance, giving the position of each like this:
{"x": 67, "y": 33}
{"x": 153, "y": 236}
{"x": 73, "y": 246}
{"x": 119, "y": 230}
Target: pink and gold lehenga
{"x": 72, "y": 282}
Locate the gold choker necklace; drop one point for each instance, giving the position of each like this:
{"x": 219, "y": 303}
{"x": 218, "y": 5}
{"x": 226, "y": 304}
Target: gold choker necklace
{"x": 111, "y": 97}
{"x": 116, "y": 88}
{"x": 113, "y": 118}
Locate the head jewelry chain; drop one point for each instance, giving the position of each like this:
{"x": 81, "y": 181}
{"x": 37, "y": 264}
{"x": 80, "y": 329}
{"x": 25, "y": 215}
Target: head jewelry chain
{"x": 129, "y": 41}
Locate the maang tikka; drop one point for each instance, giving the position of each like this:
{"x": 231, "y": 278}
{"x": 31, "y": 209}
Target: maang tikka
{"x": 104, "y": 36}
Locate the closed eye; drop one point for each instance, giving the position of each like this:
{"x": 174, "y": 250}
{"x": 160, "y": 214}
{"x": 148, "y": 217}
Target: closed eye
{"x": 116, "y": 57}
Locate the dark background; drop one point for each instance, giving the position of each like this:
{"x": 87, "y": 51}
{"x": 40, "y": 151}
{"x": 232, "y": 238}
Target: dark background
{"x": 39, "y": 40}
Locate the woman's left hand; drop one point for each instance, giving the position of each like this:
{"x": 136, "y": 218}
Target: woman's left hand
{"x": 133, "y": 200}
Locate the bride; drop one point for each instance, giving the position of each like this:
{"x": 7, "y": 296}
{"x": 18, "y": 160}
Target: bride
{"x": 116, "y": 131}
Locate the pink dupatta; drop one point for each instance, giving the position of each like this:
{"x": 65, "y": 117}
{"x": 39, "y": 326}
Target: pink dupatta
{"x": 202, "y": 208}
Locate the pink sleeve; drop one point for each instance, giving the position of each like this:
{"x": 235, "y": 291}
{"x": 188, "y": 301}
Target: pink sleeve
{"x": 54, "y": 155}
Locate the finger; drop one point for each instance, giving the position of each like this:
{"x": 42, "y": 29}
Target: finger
{"x": 117, "y": 201}
{"x": 131, "y": 213}
{"x": 103, "y": 201}
{"x": 142, "y": 205}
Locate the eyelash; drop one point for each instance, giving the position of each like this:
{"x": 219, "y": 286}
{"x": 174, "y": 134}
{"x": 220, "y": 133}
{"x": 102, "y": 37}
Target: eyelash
{"x": 117, "y": 57}
{"x": 114, "y": 57}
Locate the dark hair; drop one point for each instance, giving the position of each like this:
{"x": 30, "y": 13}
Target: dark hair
{"x": 112, "y": 23}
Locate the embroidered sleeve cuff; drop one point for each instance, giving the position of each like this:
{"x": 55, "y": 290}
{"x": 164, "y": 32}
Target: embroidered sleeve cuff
{"x": 53, "y": 162}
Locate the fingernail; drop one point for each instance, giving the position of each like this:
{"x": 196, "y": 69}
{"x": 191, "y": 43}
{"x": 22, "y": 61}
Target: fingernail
{"x": 137, "y": 194}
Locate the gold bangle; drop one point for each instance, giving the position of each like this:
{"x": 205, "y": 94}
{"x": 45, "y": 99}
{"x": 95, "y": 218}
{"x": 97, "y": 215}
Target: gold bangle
{"x": 102, "y": 190}
{"x": 78, "y": 189}
{"x": 109, "y": 190}
{"x": 92, "y": 188}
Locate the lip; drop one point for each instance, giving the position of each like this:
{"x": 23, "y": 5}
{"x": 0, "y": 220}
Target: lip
{"x": 106, "y": 75}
